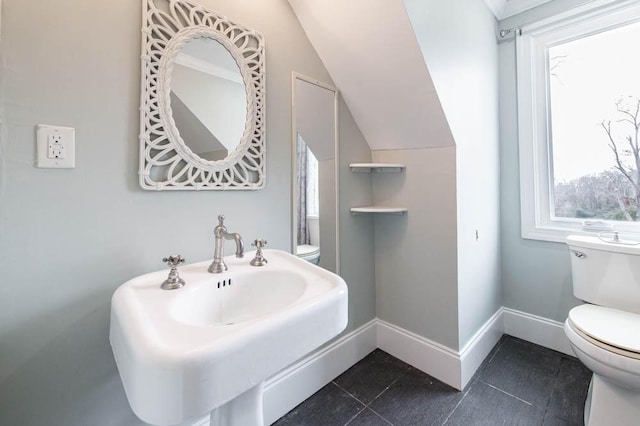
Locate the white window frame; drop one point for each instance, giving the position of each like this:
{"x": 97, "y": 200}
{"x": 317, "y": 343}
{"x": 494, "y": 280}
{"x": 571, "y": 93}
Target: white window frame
{"x": 536, "y": 187}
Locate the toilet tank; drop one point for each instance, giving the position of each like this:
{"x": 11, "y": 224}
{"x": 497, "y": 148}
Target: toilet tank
{"x": 605, "y": 273}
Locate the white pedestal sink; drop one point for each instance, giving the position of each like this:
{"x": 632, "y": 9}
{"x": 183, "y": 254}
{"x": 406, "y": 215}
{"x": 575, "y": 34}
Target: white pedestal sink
{"x": 209, "y": 346}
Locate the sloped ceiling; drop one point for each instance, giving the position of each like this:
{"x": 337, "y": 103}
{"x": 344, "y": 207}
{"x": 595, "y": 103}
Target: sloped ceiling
{"x": 373, "y": 57}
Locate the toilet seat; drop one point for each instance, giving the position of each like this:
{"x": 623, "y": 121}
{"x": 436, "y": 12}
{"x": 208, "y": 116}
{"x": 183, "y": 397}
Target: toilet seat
{"x": 611, "y": 329}
{"x": 308, "y": 252}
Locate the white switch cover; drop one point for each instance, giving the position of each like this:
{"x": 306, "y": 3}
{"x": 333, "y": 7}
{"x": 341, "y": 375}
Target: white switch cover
{"x": 56, "y": 147}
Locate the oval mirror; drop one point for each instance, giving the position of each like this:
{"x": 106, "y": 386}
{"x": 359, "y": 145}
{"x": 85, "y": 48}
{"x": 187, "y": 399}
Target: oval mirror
{"x": 202, "y": 100}
{"x": 208, "y": 99}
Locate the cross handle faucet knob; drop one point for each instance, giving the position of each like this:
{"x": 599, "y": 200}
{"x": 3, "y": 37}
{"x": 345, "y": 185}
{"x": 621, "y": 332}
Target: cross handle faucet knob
{"x": 259, "y": 260}
{"x": 259, "y": 243}
{"x": 173, "y": 260}
{"x": 173, "y": 281}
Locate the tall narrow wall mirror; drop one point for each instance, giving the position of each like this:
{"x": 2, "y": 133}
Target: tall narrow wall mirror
{"x": 315, "y": 172}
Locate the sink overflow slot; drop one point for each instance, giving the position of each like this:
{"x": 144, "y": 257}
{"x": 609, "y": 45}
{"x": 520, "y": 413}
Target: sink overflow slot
{"x": 224, "y": 283}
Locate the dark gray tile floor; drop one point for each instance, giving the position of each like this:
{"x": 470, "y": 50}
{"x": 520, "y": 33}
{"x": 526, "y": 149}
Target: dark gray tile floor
{"x": 518, "y": 384}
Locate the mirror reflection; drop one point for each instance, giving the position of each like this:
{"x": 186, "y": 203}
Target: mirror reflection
{"x": 208, "y": 99}
{"x": 315, "y": 180}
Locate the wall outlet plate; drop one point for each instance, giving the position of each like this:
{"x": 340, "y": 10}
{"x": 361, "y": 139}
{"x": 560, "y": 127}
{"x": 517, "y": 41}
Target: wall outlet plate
{"x": 56, "y": 147}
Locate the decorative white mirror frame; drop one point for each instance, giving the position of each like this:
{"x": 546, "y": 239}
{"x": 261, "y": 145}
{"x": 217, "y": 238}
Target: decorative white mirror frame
{"x": 166, "y": 162}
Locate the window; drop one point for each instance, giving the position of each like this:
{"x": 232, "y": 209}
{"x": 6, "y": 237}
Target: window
{"x": 313, "y": 184}
{"x": 579, "y": 122}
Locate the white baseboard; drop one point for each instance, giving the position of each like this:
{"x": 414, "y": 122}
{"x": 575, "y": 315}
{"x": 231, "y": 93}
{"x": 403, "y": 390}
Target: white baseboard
{"x": 435, "y": 359}
{"x": 457, "y": 368}
{"x": 535, "y": 329}
{"x": 298, "y": 382}
{"x": 476, "y": 350}
{"x": 454, "y": 368}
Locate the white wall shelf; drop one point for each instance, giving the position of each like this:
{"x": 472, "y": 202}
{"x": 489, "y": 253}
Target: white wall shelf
{"x": 379, "y": 209}
{"x": 376, "y": 167}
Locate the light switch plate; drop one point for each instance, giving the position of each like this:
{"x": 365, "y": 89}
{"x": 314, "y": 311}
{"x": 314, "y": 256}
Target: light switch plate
{"x": 56, "y": 147}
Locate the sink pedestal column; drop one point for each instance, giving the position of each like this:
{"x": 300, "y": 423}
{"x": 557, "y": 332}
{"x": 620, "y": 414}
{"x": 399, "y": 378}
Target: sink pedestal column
{"x": 243, "y": 410}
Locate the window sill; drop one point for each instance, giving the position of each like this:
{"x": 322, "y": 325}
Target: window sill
{"x": 550, "y": 233}
{"x": 558, "y": 232}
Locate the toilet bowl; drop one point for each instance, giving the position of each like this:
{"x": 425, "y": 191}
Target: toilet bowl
{"x": 311, "y": 252}
{"x": 614, "y": 393}
{"x": 308, "y": 252}
{"x": 605, "y": 332}
{"x": 609, "y": 347}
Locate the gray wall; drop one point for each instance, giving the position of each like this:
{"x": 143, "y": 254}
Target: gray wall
{"x": 457, "y": 39}
{"x": 415, "y": 255}
{"x": 536, "y": 275}
{"x": 433, "y": 276}
{"x": 68, "y": 238}
{"x": 356, "y": 232}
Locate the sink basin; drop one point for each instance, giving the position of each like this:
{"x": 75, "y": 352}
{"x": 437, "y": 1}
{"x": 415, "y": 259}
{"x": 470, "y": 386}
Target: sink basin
{"x": 246, "y": 297}
{"x": 183, "y": 353}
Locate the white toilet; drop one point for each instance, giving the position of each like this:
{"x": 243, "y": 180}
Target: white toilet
{"x": 311, "y": 252}
{"x": 605, "y": 332}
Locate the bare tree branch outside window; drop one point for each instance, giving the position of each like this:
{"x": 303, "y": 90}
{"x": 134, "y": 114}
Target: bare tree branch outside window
{"x": 613, "y": 194}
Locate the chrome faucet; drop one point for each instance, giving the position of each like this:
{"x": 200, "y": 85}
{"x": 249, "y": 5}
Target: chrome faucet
{"x": 218, "y": 266}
